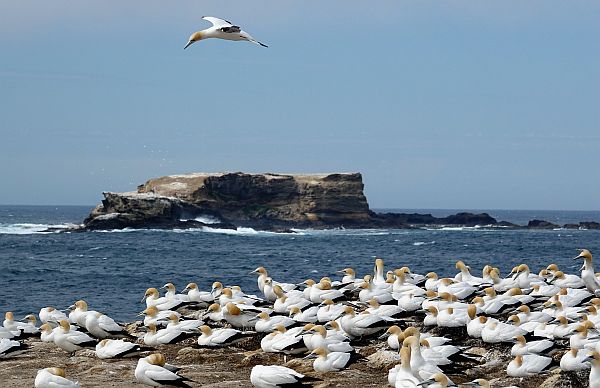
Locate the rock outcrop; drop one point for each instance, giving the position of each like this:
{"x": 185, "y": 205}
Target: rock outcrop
{"x": 265, "y": 201}
{"x": 261, "y": 201}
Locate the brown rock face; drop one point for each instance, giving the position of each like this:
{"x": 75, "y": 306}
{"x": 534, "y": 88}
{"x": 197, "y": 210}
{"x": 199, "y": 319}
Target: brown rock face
{"x": 244, "y": 199}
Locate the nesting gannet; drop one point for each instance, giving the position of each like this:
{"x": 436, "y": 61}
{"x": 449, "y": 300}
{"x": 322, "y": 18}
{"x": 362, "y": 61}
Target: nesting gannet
{"x": 528, "y": 365}
{"x": 153, "y": 298}
{"x": 102, "y": 326}
{"x": 575, "y": 359}
{"x": 308, "y": 315}
{"x": 109, "y": 348}
{"x": 221, "y": 29}
{"x": 239, "y": 316}
{"x": 11, "y": 348}
{"x": 154, "y": 371}
{"x": 494, "y": 332}
{"x": 71, "y": 340}
{"x": 187, "y": 325}
{"x": 332, "y": 342}
{"x": 461, "y": 290}
{"x": 361, "y": 325}
{"x": 78, "y": 313}
{"x": 214, "y": 312}
{"x": 274, "y": 376}
{"x": 480, "y": 383}
{"x": 452, "y": 318}
{"x": 51, "y": 314}
{"x": 202, "y": 298}
{"x": 164, "y": 336}
{"x": 267, "y": 323}
{"x": 47, "y": 332}
{"x": 563, "y": 280}
{"x": 432, "y": 282}
{"x": 522, "y": 347}
{"x": 53, "y": 378}
{"x": 283, "y": 341}
{"x": 29, "y": 327}
{"x": 329, "y": 310}
{"x": 326, "y": 361}
{"x": 220, "y": 337}
{"x": 152, "y": 315}
{"x": 386, "y": 310}
{"x": 438, "y": 380}
{"x": 419, "y": 366}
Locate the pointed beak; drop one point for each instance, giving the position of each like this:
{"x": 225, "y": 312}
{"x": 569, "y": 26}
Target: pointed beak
{"x": 310, "y": 356}
{"x": 384, "y": 336}
{"x": 188, "y": 44}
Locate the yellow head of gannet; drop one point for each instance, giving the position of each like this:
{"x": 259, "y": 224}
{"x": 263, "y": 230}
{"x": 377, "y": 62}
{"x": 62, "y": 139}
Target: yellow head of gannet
{"x": 374, "y": 303}
{"x": 149, "y": 292}
{"x": 524, "y": 309}
{"x": 227, "y": 292}
{"x": 156, "y": 359}
{"x": 585, "y": 254}
{"x": 205, "y": 330}
{"x": 348, "y": 271}
{"x": 394, "y": 330}
{"x": 214, "y": 308}
{"x": 490, "y": 291}
{"x": 169, "y": 287}
{"x": 151, "y": 328}
{"x": 150, "y": 311}
{"x": 64, "y": 324}
{"x": 514, "y": 319}
{"x": 195, "y": 37}
{"x": 263, "y": 315}
{"x": 9, "y": 316}
{"x": 57, "y": 372}
{"x": 472, "y": 311}
{"x": 46, "y": 328}
{"x": 191, "y": 286}
{"x": 431, "y": 275}
{"x": 431, "y": 294}
{"x": 412, "y": 331}
{"x": 461, "y": 266}
{"x": 309, "y": 282}
{"x": 216, "y": 286}
{"x": 480, "y": 383}
{"x": 260, "y": 271}
{"x": 433, "y": 310}
{"x": 232, "y": 309}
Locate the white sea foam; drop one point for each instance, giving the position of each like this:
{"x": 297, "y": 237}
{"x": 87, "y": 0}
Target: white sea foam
{"x": 205, "y": 219}
{"x": 26, "y": 228}
{"x": 419, "y": 243}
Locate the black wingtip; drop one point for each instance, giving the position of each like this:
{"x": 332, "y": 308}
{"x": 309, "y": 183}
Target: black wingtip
{"x": 262, "y": 44}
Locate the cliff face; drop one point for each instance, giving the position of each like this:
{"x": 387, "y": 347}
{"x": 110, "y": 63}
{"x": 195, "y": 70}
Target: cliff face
{"x": 262, "y": 200}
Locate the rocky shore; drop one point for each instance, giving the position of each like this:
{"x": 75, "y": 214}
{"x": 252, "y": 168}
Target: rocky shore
{"x": 230, "y": 367}
{"x": 274, "y": 202}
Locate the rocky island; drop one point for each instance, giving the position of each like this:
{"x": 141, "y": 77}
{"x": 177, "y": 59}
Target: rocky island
{"x": 274, "y": 202}
{"x": 261, "y": 201}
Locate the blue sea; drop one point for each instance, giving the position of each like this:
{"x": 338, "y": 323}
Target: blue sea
{"x": 111, "y": 270}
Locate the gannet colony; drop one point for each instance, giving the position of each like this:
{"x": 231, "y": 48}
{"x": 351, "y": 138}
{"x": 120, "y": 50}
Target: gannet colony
{"x": 410, "y": 329}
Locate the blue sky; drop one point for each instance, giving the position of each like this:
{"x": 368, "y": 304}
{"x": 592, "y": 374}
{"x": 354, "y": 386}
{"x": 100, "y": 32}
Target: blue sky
{"x": 440, "y": 104}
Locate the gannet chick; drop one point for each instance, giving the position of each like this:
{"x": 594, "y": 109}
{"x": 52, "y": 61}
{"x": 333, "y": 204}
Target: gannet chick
{"x": 11, "y": 348}
{"x": 528, "y": 365}
{"x": 108, "y": 348}
{"x": 51, "y": 314}
{"x": 329, "y": 361}
{"x": 71, "y": 340}
{"x": 221, "y": 29}
{"x": 154, "y": 371}
{"x": 53, "y": 378}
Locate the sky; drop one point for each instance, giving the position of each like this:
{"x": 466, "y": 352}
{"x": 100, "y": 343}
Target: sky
{"x": 439, "y": 104}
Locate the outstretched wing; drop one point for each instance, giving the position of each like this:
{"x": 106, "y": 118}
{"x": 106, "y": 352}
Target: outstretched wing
{"x": 219, "y": 23}
{"x": 231, "y": 29}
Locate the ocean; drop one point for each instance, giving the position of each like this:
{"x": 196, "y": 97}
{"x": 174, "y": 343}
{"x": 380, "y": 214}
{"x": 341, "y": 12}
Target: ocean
{"x": 112, "y": 269}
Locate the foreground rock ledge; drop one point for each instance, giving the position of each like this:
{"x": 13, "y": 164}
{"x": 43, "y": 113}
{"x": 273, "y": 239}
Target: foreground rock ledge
{"x": 261, "y": 201}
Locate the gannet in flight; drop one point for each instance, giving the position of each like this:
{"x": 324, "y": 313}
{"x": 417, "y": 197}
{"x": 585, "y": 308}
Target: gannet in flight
{"x": 222, "y": 29}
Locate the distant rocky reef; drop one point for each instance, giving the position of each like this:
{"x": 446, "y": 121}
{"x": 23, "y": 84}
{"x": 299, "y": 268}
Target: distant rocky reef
{"x": 276, "y": 202}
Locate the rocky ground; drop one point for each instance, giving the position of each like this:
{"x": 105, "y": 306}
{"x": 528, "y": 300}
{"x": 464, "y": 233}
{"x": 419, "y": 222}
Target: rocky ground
{"x": 231, "y": 367}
